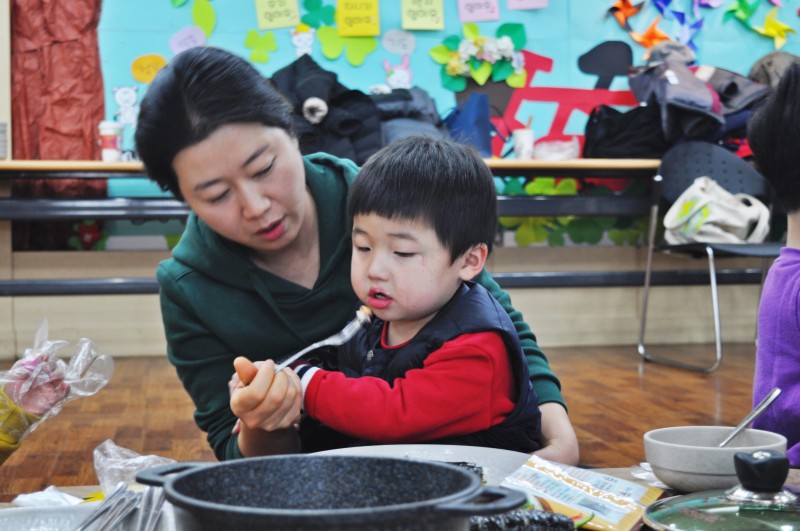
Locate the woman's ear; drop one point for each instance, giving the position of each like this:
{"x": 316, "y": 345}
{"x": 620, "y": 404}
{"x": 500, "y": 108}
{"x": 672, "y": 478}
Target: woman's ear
{"x": 473, "y": 260}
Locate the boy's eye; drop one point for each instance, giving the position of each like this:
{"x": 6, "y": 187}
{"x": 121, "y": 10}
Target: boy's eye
{"x": 404, "y": 255}
{"x": 362, "y": 249}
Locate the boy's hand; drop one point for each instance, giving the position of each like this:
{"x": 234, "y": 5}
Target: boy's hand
{"x": 263, "y": 399}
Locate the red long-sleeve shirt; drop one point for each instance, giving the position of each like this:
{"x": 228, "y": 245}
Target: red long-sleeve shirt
{"x": 464, "y": 387}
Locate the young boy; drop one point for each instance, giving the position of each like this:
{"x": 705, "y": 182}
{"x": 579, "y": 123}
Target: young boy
{"x": 441, "y": 361}
{"x": 774, "y": 134}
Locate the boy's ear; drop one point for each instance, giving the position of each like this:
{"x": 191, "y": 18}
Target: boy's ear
{"x": 473, "y": 260}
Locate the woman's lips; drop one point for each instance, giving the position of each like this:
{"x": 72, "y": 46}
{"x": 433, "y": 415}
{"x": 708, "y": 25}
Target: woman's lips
{"x": 273, "y": 231}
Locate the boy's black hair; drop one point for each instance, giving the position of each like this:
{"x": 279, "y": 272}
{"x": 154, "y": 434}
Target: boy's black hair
{"x": 200, "y": 90}
{"x": 773, "y": 133}
{"x": 435, "y": 181}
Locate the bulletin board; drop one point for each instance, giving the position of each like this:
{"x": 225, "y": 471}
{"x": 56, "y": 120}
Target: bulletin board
{"x": 566, "y": 58}
{"x": 136, "y": 38}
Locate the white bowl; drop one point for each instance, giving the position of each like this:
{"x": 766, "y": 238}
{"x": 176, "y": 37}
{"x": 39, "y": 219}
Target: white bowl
{"x": 687, "y": 458}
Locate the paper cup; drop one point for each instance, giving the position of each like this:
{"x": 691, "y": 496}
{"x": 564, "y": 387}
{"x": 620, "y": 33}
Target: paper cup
{"x": 523, "y": 143}
{"x": 110, "y": 140}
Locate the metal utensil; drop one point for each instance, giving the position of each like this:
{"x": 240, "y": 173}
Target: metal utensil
{"x": 150, "y": 508}
{"x": 363, "y": 317}
{"x": 110, "y": 501}
{"x": 127, "y": 503}
{"x": 760, "y": 408}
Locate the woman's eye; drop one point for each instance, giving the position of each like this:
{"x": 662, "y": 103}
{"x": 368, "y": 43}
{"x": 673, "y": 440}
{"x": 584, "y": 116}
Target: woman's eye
{"x": 265, "y": 171}
{"x": 362, "y": 249}
{"x": 220, "y": 197}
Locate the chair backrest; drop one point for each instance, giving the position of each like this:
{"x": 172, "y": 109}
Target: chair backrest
{"x": 684, "y": 162}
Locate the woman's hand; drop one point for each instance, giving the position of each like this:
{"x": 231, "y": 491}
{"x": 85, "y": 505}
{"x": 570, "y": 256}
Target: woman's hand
{"x": 36, "y": 391}
{"x": 268, "y": 405}
{"x": 559, "y": 442}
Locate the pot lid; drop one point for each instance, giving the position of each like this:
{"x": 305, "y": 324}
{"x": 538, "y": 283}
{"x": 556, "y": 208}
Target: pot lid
{"x": 759, "y": 503}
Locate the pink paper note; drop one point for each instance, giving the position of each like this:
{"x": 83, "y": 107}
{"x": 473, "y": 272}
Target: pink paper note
{"x": 478, "y": 10}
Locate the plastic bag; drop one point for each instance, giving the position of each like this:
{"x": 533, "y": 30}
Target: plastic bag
{"x": 39, "y": 384}
{"x": 114, "y": 465}
{"x": 557, "y": 149}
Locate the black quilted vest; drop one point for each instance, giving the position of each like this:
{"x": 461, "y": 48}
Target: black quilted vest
{"x": 471, "y": 310}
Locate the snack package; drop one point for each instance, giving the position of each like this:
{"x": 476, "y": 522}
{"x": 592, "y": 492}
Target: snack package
{"x": 593, "y": 500}
{"x": 39, "y": 384}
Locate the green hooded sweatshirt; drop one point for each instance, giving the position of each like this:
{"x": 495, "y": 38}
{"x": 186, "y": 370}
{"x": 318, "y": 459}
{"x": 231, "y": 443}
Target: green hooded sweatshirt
{"x": 216, "y": 304}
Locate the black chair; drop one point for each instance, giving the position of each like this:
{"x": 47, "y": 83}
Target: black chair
{"x": 679, "y": 167}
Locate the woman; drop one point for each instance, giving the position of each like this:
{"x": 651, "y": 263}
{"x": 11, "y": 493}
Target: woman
{"x": 263, "y": 268}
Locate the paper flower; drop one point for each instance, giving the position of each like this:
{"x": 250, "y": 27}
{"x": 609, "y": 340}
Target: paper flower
{"x": 480, "y": 58}
{"x": 774, "y": 28}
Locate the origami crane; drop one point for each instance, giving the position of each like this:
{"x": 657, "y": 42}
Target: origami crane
{"x": 741, "y": 10}
{"x": 622, "y": 10}
{"x": 662, "y": 6}
{"x": 774, "y": 28}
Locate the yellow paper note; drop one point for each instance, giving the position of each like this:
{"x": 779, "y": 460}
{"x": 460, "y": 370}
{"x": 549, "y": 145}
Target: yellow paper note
{"x": 273, "y": 14}
{"x": 358, "y": 18}
{"x": 145, "y": 67}
{"x": 423, "y": 14}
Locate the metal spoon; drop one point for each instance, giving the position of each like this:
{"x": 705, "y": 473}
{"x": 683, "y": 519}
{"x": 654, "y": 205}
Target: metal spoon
{"x": 759, "y": 409}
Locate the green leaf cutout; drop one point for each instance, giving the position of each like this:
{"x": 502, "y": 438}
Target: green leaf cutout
{"x": 515, "y": 32}
{"x": 204, "y": 17}
{"x": 441, "y": 54}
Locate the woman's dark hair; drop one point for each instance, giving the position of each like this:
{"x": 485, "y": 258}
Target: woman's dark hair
{"x": 773, "y": 133}
{"x": 200, "y": 90}
{"x": 434, "y": 181}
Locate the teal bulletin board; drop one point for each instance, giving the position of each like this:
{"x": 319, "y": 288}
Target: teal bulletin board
{"x": 136, "y": 38}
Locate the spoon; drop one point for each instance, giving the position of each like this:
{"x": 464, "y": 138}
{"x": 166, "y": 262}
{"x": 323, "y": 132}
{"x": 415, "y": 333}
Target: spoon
{"x": 758, "y": 410}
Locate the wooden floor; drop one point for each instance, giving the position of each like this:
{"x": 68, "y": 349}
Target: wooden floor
{"x": 612, "y": 396}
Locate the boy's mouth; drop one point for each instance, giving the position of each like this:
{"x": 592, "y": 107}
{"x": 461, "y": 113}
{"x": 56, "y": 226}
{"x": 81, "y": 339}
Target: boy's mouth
{"x": 379, "y": 299}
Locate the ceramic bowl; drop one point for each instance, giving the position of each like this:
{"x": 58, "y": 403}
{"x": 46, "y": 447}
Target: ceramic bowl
{"x": 687, "y": 458}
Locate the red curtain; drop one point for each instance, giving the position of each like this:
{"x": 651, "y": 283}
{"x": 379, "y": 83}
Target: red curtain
{"x": 56, "y": 103}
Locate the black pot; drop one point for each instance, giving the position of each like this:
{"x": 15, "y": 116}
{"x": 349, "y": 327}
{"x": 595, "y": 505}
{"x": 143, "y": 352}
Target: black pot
{"x": 308, "y": 492}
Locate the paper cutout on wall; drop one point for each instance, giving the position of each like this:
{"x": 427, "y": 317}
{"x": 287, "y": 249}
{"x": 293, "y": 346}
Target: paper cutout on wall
{"x": 127, "y": 108}
{"x": 145, "y": 67}
{"x": 651, "y": 36}
{"x": 741, "y": 10}
{"x": 317, "y": 14}
{"x": 358, "y": 18}
{"x": 606, "y": 61}
{"x": 774, "y": 28}
{"x": 303, "y": 39}
{"x": 622, "y": 10}
{"x": 398, "y": 76}
{"x": 527, "y": 4}
{"x": 422, "y": 14}
{"x": 188, "y": 37}
{"x": 355, "y": 49}
{"x": 204, "y": 16}
{"x": 261, "y": 45}
{"x": 399, "y": 42}
{"x": 662, "y": 6}
{"x": 697, "y": 4}
{"x": 272, "y": 14}
{"x": 178, "y": 3}
{"x": 478, "y": 10}
{"x": 687, "y": 30}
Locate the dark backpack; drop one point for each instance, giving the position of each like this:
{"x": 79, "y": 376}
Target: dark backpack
{"x": 634, "y": 134}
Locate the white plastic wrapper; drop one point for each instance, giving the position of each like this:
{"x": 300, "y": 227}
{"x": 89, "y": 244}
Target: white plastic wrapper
{"x": 114, "y": 464}
{"x": 39, "y": 384}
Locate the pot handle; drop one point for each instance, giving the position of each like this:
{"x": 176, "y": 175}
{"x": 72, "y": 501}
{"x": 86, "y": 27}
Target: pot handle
{"x": 158, "y": 475}
{"x": 487, "y": 500}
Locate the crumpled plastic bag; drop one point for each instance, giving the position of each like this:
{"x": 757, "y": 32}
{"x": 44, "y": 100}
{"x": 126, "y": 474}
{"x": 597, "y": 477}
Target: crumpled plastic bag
{"x": 557, "y": 149}
{"x": 39, "y": 384}
{"x": 114, "y": 464}
{"x": 49, "y": 497}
